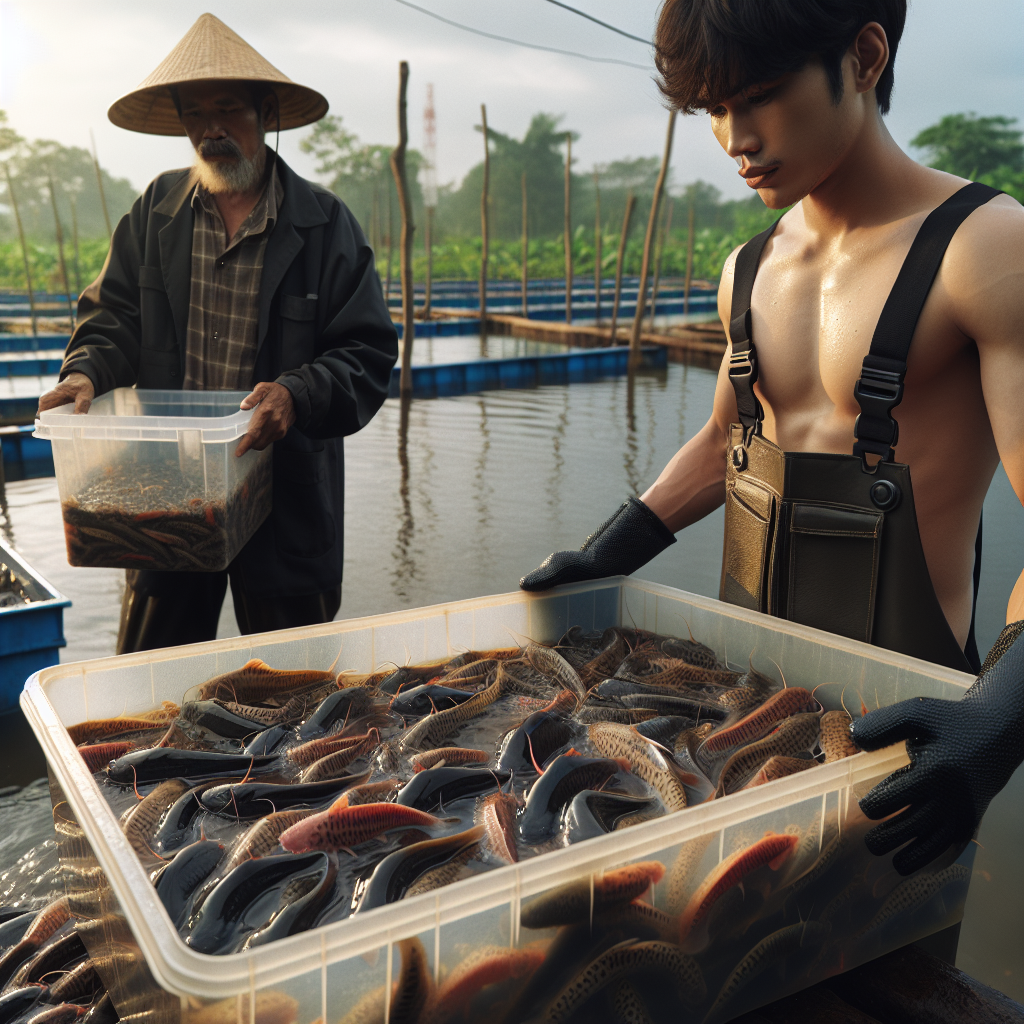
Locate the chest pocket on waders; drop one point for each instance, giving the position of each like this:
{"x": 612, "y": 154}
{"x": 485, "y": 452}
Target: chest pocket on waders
{"x": 750, "y": 526}
{"x": 832, "y": 567}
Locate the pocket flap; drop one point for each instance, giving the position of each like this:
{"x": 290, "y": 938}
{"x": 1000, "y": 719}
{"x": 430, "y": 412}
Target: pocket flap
{"x": 294, "y": 307}
{"x": 836, "y": 522}
{"x": 151, "y": 277}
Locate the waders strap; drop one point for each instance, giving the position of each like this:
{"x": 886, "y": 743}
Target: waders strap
{"x": 743, "y": 359}
{"x": 880, "y": 387}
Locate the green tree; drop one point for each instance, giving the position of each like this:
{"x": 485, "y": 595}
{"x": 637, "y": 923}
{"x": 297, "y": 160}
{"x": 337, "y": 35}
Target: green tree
{"x": 970, "y": 146}
{"x": 360, "y": 175}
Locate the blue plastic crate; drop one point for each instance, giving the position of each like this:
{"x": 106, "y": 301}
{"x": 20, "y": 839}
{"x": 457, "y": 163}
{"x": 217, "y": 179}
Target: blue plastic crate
{"x": 32, "y": 634}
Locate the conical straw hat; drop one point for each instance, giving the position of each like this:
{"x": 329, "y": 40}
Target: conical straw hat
{"x": 210, "y": 51}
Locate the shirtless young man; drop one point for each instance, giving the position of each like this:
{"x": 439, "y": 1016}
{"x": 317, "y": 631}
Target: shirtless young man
{"x": 796, "y": 91}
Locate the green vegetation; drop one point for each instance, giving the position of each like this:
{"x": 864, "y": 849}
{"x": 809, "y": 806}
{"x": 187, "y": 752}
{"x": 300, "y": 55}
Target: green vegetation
{"x": 986, "y": 149}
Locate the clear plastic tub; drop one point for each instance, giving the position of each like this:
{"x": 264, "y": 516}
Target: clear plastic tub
{"x": 853, "y": 910}
{"x": 150, "y": 480}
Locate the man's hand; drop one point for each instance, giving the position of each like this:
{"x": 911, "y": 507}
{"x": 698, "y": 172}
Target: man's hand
{"x": 961, "y": 754}
{"x": 75, "y": 387}
{"x": 275, "y": 413}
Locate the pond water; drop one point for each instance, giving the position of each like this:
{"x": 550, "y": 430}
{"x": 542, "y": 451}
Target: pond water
{"x": 478, "y": 490}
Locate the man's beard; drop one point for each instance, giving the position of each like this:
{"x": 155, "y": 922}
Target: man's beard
{"x": 237, "y": 175}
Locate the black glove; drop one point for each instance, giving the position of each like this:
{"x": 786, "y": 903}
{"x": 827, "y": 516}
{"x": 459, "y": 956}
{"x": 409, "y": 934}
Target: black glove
{"x": 961, "y": 754}
{"x": 619, "y": 546}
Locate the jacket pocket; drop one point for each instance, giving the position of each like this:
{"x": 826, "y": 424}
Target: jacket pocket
{"x": 298, "y": 330}
{"x": 303, "y": 517}
{"x": 833, "y": 568}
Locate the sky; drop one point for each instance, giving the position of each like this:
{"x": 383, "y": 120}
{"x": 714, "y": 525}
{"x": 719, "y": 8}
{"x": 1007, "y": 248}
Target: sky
{"x": 63, "y": 62}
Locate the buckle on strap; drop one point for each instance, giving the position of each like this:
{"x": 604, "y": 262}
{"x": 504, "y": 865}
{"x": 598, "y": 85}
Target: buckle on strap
{"x": 743, "y": 372}
{"x": 878, "y": 392}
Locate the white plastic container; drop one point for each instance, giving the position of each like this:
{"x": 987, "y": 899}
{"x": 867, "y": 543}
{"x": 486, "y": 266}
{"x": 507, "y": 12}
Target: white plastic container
{"x": 325, "y": 972}
{"x": 150, "y": 479}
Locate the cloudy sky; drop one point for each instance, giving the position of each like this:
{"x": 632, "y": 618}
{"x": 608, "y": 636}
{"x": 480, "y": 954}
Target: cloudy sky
{"x": 62, "y": 62}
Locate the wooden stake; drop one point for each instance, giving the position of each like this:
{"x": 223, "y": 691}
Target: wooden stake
{"x": 60, "y": 249}
{"x": 388, "y": 242}
{"x": 483, "y": 225}
{"x": 568, "y": 227}
{"x": 428, "y": 242}
{"x": 597, "y": 250}
{"x": 627, "y": 218}
{"x": 24, "y": 248}
{"x": 99, "y": 182}
{"x": 689, "y": 262}
{"x": 666, "y": 227}
{"x": 652, "y": 221}
{"x": 408, "y": 229}
{"x": 74, "y": 239}
{"x": 526, "y": 255}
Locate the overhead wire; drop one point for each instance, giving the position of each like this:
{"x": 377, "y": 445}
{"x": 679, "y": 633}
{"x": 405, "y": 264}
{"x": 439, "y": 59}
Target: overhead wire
{"x": 598, "y": 21}
{"x": 519, "y": 42}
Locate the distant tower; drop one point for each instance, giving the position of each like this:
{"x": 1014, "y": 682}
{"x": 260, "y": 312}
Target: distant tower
{"x": 429, "y": 187}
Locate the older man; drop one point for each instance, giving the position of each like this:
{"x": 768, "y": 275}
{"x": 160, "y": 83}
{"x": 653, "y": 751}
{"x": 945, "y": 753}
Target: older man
{"x": 237, "y": 274}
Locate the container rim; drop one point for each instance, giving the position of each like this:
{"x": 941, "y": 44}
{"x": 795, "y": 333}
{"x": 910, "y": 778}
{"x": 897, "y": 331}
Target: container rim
{"x": 56, "y": 598}
{"x": 61, "y": 423}
{"x": 185, "y": 972}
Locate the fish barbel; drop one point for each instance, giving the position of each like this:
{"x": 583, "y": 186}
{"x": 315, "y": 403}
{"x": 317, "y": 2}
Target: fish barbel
{"x": 342, "y": 827}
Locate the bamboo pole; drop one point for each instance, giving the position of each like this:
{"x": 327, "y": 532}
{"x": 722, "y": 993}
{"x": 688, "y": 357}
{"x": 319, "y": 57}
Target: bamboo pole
{"x": 652, "y": 222}
{"x": 483, "y": 225}
{"x": 597, "y": 250}
{"x": 74, "y": 239}
{"x": 99, "y": 183}
{"x": 24, "y": 248}
{"x": 689, "y": 263}
{"x": 428, "y": 242}
{"x": 60, "y": 249}
{"x": 568, "y": 227}
{"x": 526, "y": 254}
{"x": 390, "y": 246}
{"x": 627, "y": 218}
{"x": 408, "y": 229}
{"x": 666, "y": 227}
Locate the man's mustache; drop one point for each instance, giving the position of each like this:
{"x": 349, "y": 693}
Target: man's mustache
{"x": 219, "y": 147}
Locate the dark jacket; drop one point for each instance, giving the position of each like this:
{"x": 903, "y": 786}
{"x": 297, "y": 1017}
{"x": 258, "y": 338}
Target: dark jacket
{"x": 324, "y": 333}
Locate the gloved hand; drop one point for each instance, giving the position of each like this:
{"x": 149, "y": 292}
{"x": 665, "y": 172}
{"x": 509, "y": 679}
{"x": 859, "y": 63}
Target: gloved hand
{"x": 961, "y": 754}
{"x": 619, "y": 546}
